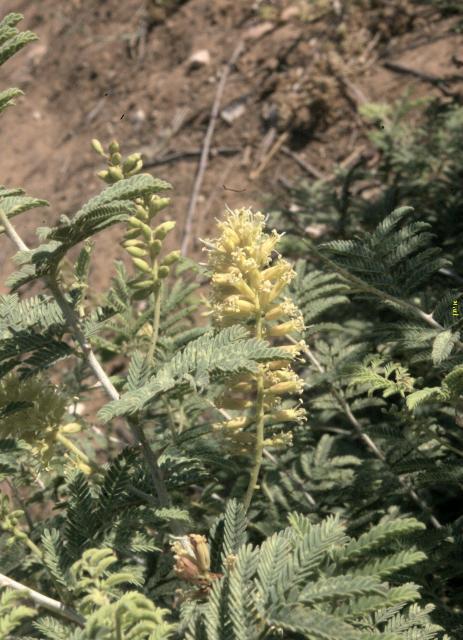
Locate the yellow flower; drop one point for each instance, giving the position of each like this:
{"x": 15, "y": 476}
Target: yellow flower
{"x": 245, "y": 289}
{"x": 39, "y": 412}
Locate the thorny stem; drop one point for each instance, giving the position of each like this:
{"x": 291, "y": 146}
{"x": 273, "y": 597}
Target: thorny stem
{"x": 73, "y": 323}
{"x": 372, "y": 446}
{"x": 43, "y": 601}
{"x": 259, "y": 448}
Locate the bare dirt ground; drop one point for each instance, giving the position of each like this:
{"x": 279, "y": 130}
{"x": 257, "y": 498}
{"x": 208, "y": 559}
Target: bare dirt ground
{"x": 131, "y": 70}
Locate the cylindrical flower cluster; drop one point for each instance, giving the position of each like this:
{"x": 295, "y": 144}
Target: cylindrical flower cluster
{"x": 247, "y": 288}
{"x": 39, "y": 416}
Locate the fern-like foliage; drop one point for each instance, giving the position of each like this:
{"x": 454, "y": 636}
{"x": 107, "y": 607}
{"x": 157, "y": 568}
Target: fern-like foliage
{"x": 395, "y": 260}
{"x": 318, "y": 295}
{"x": 111, "y": 206}
{"x": 311, "y": 580}
{"x": 12, "y": 612}
{"x": 228, "y": 351}
{"x": 109, "y": 612}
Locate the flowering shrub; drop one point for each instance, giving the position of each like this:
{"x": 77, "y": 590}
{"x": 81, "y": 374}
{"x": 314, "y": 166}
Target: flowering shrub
{"x": 204, "y": 503}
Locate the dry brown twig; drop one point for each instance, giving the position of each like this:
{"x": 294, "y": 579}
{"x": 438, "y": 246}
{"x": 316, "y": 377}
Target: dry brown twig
{"x": 212, "y": 196}
{"x": 266, "y": 159}
{"x": 206, "y": 146}
{"x": 308, "y": 168}
{"x": 437, "y": 81}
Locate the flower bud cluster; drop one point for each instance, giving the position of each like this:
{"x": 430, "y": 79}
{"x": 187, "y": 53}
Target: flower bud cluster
{"x": 117, "y": 169}
{"x": 11, "y": 522}
{"x": 247, "y": 288}
{"x": 142, "y": 242}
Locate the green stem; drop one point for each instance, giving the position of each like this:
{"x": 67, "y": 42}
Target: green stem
{"x": 151, "y": 460}
{"x": 156, "y": 320}
{"x": 259, "y": 448}
{"x": 19, "y": 533}
{"x": 372, "y": 446}
{"x": 74, "y": 325}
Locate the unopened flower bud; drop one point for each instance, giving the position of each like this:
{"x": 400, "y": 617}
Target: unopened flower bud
{"x": 157, "y": 203}
{"x": 155, "y": 248}
{"x": 163, "y": 272}
{"x": 238, "y": 423}
{"x": 145, "y": 229}
{"x": 20, "y": 535}
{"x": 144, "y": 284}
{"x": 98, "y": 147}
{"x": 171, "y": 257}
{"x": 130, "y": 162}
{"x": 137, "y": 252}
{"x": 141, "y": 212}
{"x": 115, "y": 173}
{"x": 163, "y": 229}
{"x": 114, "y": 147}
{"x": 116, "y": 158}
{"x": 71, "y": 427}
{"x": 137, "y": 167}
{"x": 141, "y": 265}
{"x": 131, "y": 234}
{"x": 132, "y": 243}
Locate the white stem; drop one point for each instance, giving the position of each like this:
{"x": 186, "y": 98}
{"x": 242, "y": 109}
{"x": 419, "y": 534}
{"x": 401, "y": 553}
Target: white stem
{"x": 43, "y": 601}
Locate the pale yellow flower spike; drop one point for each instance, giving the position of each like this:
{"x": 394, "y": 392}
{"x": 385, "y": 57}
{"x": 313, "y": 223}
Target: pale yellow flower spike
{"x": 246, "y": 289}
